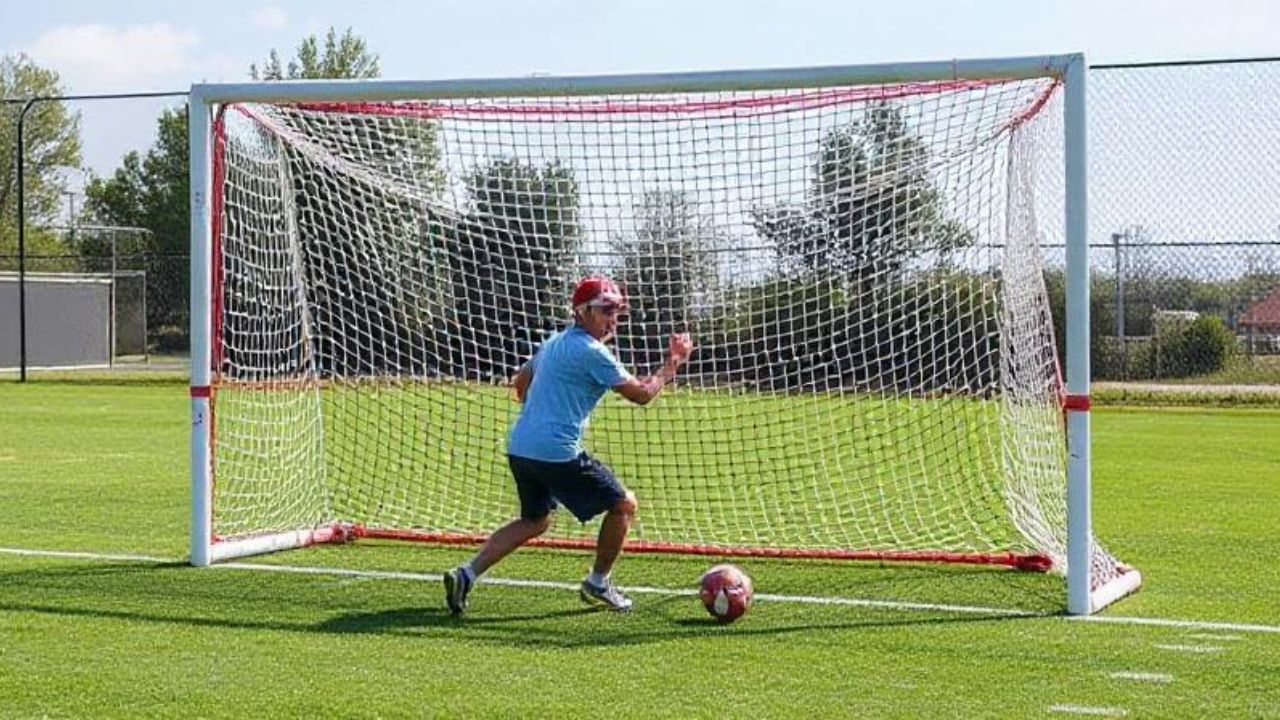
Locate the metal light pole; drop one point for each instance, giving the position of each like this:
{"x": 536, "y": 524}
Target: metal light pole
{"x": 22, "y": 243}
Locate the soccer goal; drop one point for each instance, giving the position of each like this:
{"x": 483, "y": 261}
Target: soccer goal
{"x": 855, "y": 251}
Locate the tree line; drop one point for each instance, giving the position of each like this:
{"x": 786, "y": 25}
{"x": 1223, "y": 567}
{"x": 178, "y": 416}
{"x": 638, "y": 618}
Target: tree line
{"x": 489, "y": 280}
{"x": 469, "y": 294}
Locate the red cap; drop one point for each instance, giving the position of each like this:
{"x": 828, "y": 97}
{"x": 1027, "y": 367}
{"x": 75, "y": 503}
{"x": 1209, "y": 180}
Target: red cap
{"x": 598, "y": 291}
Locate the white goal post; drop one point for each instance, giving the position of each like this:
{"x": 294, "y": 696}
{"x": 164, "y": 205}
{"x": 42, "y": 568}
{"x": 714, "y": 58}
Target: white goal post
{"x": 856, "y": 249}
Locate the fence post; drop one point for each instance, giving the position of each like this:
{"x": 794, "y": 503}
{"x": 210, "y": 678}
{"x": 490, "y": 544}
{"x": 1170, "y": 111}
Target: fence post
{"x": 115, "y": 278}
{"x": 1124, "y": 344}
{"x": 1155, "y": 341}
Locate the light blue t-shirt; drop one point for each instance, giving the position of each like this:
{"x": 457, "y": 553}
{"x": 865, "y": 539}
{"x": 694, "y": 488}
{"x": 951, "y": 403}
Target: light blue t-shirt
{"x": 571, "y": 372}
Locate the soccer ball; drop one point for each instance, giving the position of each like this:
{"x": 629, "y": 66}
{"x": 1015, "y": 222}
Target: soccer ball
{"x": 726, "y": 592}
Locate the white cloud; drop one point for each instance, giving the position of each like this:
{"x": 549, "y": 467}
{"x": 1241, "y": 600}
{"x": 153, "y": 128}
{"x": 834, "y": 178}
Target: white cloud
{"x": 100, "y": 58}
{"x": 269, "y": 17}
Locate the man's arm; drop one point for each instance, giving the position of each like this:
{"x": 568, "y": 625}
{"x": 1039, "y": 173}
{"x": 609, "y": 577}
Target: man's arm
{"x": 642, "y": 391}
{"x": 522, "y": 380}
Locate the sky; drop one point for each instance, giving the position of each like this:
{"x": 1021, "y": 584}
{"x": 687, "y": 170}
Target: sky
{"x": 160, "y": 45}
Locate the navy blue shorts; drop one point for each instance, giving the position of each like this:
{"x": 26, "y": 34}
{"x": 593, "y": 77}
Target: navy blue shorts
{"x": 584, "y": 485}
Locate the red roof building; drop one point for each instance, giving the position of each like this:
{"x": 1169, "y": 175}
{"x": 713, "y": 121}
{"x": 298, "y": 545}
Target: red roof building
{"x": 1264, "y": 315}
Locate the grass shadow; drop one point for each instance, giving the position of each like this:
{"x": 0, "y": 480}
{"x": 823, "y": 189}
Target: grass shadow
{"x": 176, "y": 594}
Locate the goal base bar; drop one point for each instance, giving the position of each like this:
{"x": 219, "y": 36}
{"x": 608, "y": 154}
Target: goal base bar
{"x": 1129, "y": 581}
{"x": 1027, "y": 562}
{"x": 229, "y": 549}
{"x": 344, "y": 532}
{"x": 1126, "y": 583}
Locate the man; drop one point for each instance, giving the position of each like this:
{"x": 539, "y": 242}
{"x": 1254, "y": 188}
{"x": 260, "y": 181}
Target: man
{"x": 559, "y": 387}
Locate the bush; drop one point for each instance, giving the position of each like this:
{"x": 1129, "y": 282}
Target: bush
{"x": 1197, "y": 347}
{"x": 1108, "y": 360}
{"x": 1209, "y": 343}
{"x": 170, "y": 339}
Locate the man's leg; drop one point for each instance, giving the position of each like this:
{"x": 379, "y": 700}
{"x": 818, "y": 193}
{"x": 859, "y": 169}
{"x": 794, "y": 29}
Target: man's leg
{"x": 536, "y": 504}
{"x": 613, "y": 533}
{"x": 588, "y": 487}
{"x": 504, "y": 541}
{"x": 597, "y": 589}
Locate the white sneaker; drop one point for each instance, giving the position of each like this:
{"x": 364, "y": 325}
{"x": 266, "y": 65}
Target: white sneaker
{"x": 608, "y": 596}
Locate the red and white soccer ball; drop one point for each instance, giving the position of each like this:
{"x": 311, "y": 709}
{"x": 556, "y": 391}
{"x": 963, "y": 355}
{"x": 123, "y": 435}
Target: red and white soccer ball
{"x": 726, "y": 592}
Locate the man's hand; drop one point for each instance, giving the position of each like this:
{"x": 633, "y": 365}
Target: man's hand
{"x": 643, "y": 390}
{"x": 681, "y": 348}
{"x": 521, "y": 382}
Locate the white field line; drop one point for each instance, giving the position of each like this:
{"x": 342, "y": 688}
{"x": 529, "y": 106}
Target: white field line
{"x": 1142, "y": 676}
{"x": 1184, "y": 624}
{"x": 1216, "y": 638}
{"x": 1196, "y": 649}
{"x": 105, "y": 557}
{"x": 551, "y": 585}
{"x": 1087, "y": 710}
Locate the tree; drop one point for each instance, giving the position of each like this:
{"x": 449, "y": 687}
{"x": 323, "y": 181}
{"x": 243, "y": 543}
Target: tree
{"x": 421, "y": 290}
{"x": 509, "y": 258}
{"x": 152, "y": 190}
{"x": 780, "y": 334}
{"x": 387, "y": 167}
{"x": 517, "y": 243}
{"x": 668, "y": 266}
{"x": 871, "y": 207}
{"x": 347, "y": 56}
{"x": 52, "y": 144}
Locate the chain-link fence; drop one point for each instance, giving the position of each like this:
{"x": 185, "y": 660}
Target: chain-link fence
{"x": 1177, "y": 310}
{"x": 1144, "y": 300}
{"x": 1184, "y": 226}
{"x": 80, "y": 174}
{"x": 1184, "y": 173}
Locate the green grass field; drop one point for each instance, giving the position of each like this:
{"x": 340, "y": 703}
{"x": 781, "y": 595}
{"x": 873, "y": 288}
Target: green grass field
{"x": 1187, "y": 495}
{"x": 809, "y": 471}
